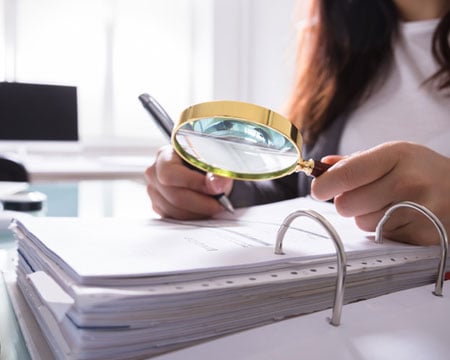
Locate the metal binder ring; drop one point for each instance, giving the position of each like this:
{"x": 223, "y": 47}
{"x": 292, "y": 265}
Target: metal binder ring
{"x": 340, "y": 253}
{"x": 439, "y": 227}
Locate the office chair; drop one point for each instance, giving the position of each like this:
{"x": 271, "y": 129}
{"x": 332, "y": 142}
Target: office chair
{"x": 12, "y": 170}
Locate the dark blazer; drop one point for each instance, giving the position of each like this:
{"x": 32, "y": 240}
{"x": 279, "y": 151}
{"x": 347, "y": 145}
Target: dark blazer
{"x": 247, "y": 193}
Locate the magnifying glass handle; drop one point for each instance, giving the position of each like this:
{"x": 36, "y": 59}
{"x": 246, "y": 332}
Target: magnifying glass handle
{"x": 313, "y": 168}
{"x": 319, "y": 168}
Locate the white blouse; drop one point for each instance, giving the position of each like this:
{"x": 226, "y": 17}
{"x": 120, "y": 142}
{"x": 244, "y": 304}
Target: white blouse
{"x": 402, "y": 108}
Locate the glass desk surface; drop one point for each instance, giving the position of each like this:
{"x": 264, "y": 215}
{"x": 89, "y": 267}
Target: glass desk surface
{"x": 117, "y": 198}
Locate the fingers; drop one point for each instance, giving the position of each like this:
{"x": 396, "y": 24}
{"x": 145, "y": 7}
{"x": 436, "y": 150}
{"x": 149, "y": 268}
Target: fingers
{"x": 171, "y": 172}
{"x": 365, "y": 185}
{"x": 218, "y": 185}
{"x": 182, "y": 203}
{"x": 179, "y": 192}
{"x": 353, "y": 172}
{"x": 405, "y": 225}
{"x": 369, "y": 198}
{"x": 331, "y": 159}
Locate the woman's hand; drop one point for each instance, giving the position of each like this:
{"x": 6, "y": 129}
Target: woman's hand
{"x": 181, "y": 193}
{"x": 366, "y": 184}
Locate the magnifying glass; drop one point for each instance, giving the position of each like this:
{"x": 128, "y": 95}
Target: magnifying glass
{"x": 241, "y": 141}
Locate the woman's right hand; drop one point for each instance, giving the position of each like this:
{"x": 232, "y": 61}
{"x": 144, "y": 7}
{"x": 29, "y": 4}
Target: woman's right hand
{"x": 366, "y": 184}
{"x": 182, "y": 193}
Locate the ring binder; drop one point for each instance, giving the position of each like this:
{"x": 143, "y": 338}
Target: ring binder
{"x": 220, "y": 277}
{"x": 340, "y": 253}
{"x": 439, "y": 227}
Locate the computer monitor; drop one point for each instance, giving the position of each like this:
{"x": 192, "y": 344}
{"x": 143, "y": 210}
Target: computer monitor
{"x": 37, "y": 113}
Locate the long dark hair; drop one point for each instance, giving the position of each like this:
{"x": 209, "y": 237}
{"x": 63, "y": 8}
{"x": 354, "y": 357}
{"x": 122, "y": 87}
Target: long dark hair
{"x": 345, "y": 53}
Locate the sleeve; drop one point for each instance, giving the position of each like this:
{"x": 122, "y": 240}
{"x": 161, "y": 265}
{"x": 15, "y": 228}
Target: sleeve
{"x": 248, "y": 193}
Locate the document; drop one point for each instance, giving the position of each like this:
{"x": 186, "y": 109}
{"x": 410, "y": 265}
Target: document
{"x": 134, "y": 288}
{"x": 109, "y": 249}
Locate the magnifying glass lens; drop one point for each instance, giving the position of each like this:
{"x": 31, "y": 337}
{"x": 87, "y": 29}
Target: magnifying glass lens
{"x": 236, "y": 148}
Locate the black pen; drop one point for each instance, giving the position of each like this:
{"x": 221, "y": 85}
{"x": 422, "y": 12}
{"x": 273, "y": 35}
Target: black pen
{"x": 165, "y": 124}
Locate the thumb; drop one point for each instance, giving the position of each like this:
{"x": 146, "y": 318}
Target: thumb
{"x": 217, "y": 184}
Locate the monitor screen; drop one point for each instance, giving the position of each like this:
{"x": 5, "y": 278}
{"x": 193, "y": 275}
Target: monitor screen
{"x": 35, "y": 112}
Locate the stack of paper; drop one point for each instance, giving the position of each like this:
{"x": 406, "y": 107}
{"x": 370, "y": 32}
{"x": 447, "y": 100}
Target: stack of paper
{"x": 125, "y": 289}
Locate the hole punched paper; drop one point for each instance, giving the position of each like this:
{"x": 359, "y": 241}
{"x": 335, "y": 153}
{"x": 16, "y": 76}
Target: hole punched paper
{"x": 129, "y": 288}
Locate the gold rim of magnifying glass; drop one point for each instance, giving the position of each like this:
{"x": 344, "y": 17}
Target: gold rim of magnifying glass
{"x": 247, "y": 112}
{"x": 242, "y": 111}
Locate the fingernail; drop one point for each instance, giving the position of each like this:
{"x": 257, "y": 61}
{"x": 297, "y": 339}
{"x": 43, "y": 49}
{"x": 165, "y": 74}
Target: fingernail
{"x": 214, "y": 183}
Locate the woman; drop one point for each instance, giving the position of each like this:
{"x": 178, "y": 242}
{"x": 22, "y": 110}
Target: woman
{"x": 374, "y": 82}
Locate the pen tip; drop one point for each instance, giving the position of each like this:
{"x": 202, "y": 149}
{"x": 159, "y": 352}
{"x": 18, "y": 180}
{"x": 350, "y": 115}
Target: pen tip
{"x": 226, "y": 203}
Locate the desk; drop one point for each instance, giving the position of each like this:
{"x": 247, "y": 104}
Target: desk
{"x": 119, "y": 198}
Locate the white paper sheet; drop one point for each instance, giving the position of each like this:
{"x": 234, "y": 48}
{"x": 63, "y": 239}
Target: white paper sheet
{"x": 110, "y": 247}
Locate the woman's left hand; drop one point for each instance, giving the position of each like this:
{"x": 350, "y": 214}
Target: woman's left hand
{"x": 366, "y": 184}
